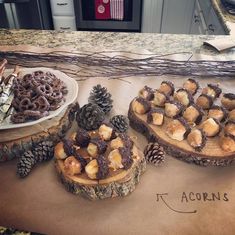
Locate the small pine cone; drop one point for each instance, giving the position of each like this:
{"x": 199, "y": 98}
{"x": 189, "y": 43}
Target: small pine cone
{"x": 25, "y": 164}
{"x": 119, "y": 123}
{"x": 154, "y": 154}
{"x": 44, "y": 151}
{"x": 90, "y": 117}
{"x": 100, "y": 96}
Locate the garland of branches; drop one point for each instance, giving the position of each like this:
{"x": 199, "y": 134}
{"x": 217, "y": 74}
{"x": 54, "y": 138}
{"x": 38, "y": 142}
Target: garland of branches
{"x": 101, "y": 64}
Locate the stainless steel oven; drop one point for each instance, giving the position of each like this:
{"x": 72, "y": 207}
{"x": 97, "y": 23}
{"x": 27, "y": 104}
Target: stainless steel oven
{"x": 25, "y": 14}
{"x": 86, "y": 18}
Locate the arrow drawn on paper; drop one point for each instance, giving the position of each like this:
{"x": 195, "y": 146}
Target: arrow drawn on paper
{"x": 162, "y": 196}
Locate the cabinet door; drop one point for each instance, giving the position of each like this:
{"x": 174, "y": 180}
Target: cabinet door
{"x": 177, "y": 16}
{"x": 151, "y": 16}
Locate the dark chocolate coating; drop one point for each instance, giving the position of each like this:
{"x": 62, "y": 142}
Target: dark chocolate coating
{"x": 101, "y": 145}
{"x": 153, "y": 110}
{"x": 186, "y": 126}
{"x": 150, "y": 91}
{"x": 216, "y": 88}
{"x": 145, "y": 103}
{"x": 82, "y": 138}
{"x": 103, "y": 168}
{"x": 68, "y": 147}
{"x": 127, "y": 142}
{"x": 229, "y": 96}
{"x": 171, "y": 85}
{"x": 82, "y": 160}
{"x": 126, "y": 157}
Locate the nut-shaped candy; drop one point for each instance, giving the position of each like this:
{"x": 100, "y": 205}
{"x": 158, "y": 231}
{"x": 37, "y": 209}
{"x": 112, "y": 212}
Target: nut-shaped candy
{"x": 160, "y": 98}
{"x": 155, "y": 116}
{"x": 115, "y": 159}
{"x": 228, "y": 101}
{"x": 197, "y": 139}
{"x": 141, "y": 106}
{"x": 184, "y": 97}
{"x": 72, "y": 166}
{"x": 92, "y": 169}
{"x": 211, "y": 127}
{"x": 204, "y": 101}
{"x": 193, "y": 114}
{"x": 63, "y": 149}
{"x": 217, "y": 112}
{"x": 191, "y": 86}
{"x": 147, "y": 93}
{"x": 96, "y": 147}
{"x": 167, "y": 87}
{"x": 122, "y": 140}
{"x": 173, "y": 109}
{"x": 106, "y": 132}
{"x": 212, "y": 90}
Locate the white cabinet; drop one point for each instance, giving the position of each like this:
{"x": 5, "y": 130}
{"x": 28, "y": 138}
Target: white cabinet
{"x": 151, "y": 16}
{"x": 177, "y": 16}
{"x": 63, "y": 14}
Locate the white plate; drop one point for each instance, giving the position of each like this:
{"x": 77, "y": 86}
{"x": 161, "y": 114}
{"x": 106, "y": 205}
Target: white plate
{"x": 72, "y": 87}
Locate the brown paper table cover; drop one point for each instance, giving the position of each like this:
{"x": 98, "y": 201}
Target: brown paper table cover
{"x": 195, "y": 200}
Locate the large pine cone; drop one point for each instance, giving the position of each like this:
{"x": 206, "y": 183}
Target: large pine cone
{"x": 25, "y": 164}
{"x": 100, "y": 96}
{"x": 154, "y": 154}
{"x": 119, "y": 123}
{"x": 44, "y": 151}
{"x": 90, "y": 117}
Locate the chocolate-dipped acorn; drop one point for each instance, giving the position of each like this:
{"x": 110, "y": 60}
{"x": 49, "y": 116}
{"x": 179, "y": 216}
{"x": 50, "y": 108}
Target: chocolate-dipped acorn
{"x": 141, "y": 105}
{"x": 227, "y": 143}
{"x": 197, "y": 139}
{"x": 191, "y": 86}
{"x": 160, "y": 98}
{"x": 183, "y": 96}
{"x": 193, "y": 114}
{"x": 229, "y": 127}
{"x": 231, "y": 115}
{"x": 228, "y": 101}
{"x": 155, "y": 116}
{"x": 106, "y": 132}
{"x": 120, "y": 158}
{"x": 64, "y": 149}
{"x": 173, "y": 109}
{"x": 96, "y": 147}
{"x": 212, "y": 90}
{"x": 147, "y": 93}
{"x": 81, "y": 138}
{"x": 72, "y": 166}
{"x": 122, "y": 140}
{"x": 97, "y": 168}
{"x": 217, "y": 112}
{"x": 211, "y": 127}
{"x": 204, "y": 101}
{"x": 167, "y": 87}
{"x": 178, "y": 129}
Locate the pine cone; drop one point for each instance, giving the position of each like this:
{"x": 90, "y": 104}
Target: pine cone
{"x": 90, "y": 117}
{"x": 25, "y": 164}
{"x": 44, "y": 151}
{"x": 100, "y": 96}
{"x": 119, "y": 123}
{"x": 154, "y": 153}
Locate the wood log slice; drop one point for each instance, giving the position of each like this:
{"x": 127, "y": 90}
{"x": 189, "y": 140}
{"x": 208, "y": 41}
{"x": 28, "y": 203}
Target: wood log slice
{"x": 14, "y": 142}
{"x": 118, "y": 183}
{"x": 211, "y": 154}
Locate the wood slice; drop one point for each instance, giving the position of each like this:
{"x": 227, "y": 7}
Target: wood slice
{"x": 14, "y": 142}
{"x": 211, "y": 154}
{"x": 118, "y": 184}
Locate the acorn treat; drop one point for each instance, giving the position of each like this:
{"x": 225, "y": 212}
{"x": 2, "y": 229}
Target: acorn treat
{"x": 155, "y": 116}
{"x": 141, "y": 106}
{"x": 227, "y": 143}
{"x": 217, "y": 112}
{"x": 229, "y": 127}
{"x": 193, "y": 114}
{"x": 122, "y": 140}
{"x": 191, "y": 86}
{"x": 72, "y": 166}
{"x": 183, "y": 96}
{"x": 106, "y": 132}
{"x": 147, "y": 93}
{"x": 96, "y": 146}
{"x": 173, "y": 109}
{"x": 120, "y": 158}
{"x": 82, "y": 138}
{"x": 228, "y": 101}
{"x": 211, "y": 127}
{"x": 231, "y": 115}
{"x": 167, "y": 87}
{"x": 197, "y": 139}
{"x": 205, "y": 101}
{"x": 212, "y": 90}
{"x": 178, "y": 129}
{"x": 64, "y": 149}
{"x": 160, "y": 98}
